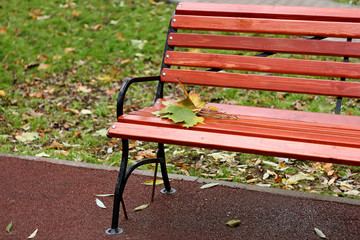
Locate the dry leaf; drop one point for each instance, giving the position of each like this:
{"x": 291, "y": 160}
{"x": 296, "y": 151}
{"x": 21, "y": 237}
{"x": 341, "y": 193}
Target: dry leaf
{"x": 142, "y": 207}
{"x": 97, "y": 27}
{"x": 150, "y": 182}
{"x": 120, "y": 37}
{"x": 233, "y": 223}
{"x": 83, "y": 89}
{"x": 319, "y": 233}
{"x": 209, "y": 185}
{"x": 43, "y": 154}
{"x": 3, "y": 30}
{"x": 85, "y": 112}
{"x": 100, "y": 203}
{"x": 105, "y": 195}
{"x": 30, "y": 136}
{"x": 76, "y": 14}
{"x": 2, "y": 93}
{"x": 55, "y": 145}
{"x": 298, "y": 177}
{"x": 69, "y": 50}
{"x": 8, "y": 228}
{"x": 33, "y": 234}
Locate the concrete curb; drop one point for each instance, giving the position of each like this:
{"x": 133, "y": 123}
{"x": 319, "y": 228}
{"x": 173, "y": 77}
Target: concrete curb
{"x": 195, "y": 179}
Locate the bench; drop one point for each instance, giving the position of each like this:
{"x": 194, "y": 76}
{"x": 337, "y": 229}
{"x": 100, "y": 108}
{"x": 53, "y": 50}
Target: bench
{"x": 267, "y": 48}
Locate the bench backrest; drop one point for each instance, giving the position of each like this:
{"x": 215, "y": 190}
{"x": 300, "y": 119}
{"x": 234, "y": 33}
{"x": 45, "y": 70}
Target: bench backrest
{"x": 238, "y": 39}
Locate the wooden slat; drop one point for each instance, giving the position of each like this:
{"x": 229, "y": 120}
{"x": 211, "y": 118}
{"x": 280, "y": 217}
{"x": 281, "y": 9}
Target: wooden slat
{"x": 252, "y": 25}
{"x": 341, "y": 125}
{"x": 261, "y": 64}
{"x": 264, "y": 130}
{"x": 258, "y": 82}
{"x": 278, "y": 45}
{"x": 280, "y": 117}
{"x": 264, "y": 146}
{"x": 264, "y": 11}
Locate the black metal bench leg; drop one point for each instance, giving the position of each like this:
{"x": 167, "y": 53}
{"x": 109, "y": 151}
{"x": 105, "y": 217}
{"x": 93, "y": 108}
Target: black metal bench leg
{"x": 165, "y": 177}
{"x": 119, "y": 189}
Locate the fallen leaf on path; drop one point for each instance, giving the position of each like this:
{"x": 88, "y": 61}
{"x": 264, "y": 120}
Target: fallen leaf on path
{"x": 209, "y": 185}
{"x": 233, "y": 223}
{"x": 8, "y": 228}
{"x": 105, "y": 195}
{"x": 142, "y": 207}
{"x": 319, "y": 233}
{"x": 150, "y": 182}
{"x": 100, "y": 203}
{"x": 33, "y": 234}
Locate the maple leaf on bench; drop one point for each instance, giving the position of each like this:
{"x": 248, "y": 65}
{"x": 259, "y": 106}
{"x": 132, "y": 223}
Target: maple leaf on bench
{"x": 189, "y": 110}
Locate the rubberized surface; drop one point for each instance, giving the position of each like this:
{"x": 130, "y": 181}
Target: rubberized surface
{"x": 59, "y": 200}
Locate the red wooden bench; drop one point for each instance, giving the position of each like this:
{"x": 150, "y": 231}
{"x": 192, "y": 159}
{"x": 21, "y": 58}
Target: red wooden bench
{"x": 286, "y": 31}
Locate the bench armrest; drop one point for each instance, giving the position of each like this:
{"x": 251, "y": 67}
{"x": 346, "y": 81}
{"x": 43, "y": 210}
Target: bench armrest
{"x": 124, "y": 88}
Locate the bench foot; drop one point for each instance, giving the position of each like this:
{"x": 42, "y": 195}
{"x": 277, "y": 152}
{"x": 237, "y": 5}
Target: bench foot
{"x": 168, "y": 192}
{"x": 115, "y": 231}
{"x": 124, "y": 174}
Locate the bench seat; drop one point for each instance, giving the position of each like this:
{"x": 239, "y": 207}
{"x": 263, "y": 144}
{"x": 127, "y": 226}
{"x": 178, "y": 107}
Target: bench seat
{"x": 288, "y": 133}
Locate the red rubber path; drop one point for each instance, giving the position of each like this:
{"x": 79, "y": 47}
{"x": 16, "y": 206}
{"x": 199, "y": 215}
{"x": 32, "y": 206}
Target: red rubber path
{"x": 59, "y": 201}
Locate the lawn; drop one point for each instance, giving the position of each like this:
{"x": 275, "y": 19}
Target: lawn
{"x": 62, "y": 63}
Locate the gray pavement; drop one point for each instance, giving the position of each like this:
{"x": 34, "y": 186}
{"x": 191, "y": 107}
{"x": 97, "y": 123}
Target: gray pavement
{"x": 304, "y": 3}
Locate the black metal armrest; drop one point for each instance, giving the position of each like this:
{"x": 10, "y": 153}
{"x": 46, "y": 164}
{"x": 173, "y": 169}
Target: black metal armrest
{"x": 124, "y": 88}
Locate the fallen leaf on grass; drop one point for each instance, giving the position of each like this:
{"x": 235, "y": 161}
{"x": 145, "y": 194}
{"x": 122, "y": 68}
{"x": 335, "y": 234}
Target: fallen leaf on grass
{"x": 69, "y": 50}
{"x": 138, "y": 43}
{"x": 83, "y": 89}
{"x": 97, "y": 27}
{"x": 3, "y": 30}
{"x": 33, "y": 234}
{"x": 27, "y": 136}
{"x": 150, "y": 182}
{"x": 85, "y": 112}
{"x": 209, "y": 185}
{"x": 8, "y": 228}
{"x": 100, "y": 203}
{"x": 42, "y": 155}
{"x": 2, "y": 93}
{"x": 298, "y": 177}
{"x": 319, "y": 233}
{"x": 142, "y": 207}
{"x": 56, "y": 145}
{"x": 100, "y": 133}
{"x": 233, "y": 223}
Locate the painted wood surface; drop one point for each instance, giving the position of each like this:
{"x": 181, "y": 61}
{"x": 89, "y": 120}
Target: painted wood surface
{"x": 259, "y": 82}
{"x": 264, "y": 11}
{"x": 262, "y": 44}
{"x": 262, "y": 64}
{"x": 262, "y": 25}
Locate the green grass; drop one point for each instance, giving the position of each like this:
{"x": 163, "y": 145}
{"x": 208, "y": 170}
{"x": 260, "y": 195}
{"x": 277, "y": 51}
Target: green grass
{"x": 72, "y": 99}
